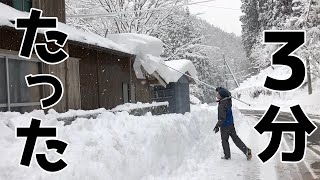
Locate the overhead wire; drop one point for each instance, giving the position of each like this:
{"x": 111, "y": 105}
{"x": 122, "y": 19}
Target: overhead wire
{"x": 206, "y": 84}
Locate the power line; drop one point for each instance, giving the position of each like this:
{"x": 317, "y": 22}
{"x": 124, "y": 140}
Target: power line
{"x": 126, "y": 12}
{"x": 219, "y": 7}
{"x": 208, "y": 85}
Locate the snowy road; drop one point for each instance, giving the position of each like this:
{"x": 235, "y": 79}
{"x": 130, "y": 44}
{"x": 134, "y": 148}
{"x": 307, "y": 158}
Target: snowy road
{"x": 310, "y": 167}
{"x": 214, "y": 168}
{"x": 284, "y": 116}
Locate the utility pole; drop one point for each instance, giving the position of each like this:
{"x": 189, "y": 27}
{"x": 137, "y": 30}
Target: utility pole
{"x": 225, "y": 70}
{"x": 308, "y": 60}
{"x": 235, "y": 80}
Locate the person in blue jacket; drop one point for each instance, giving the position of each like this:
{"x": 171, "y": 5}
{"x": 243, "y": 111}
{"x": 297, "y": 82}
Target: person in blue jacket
{"x": 226, "y": 125}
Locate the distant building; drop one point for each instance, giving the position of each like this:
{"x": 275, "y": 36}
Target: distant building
{"x": 100, "y": 73}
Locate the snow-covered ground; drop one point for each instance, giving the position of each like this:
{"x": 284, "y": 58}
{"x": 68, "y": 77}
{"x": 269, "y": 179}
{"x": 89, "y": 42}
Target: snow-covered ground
{"x": 252, "y": 91}
{"x": 130, "y": 106}
{"x": 122, "y": 146}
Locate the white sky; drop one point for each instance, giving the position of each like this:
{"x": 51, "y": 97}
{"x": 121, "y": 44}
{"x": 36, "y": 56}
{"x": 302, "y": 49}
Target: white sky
{"x": 226, "y": 19}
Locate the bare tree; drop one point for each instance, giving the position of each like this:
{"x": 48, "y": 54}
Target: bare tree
{"x": 138, "y": 16}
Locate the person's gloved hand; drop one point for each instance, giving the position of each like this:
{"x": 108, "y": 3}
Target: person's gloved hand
{"x": 216, "y": 129}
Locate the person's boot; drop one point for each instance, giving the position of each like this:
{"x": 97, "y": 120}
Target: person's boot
{"x": 226, "y": 158}
{"x": 249, "y": 154}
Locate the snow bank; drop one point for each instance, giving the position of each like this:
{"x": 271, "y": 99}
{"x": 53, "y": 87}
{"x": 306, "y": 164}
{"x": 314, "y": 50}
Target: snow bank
{"x": 115, "y": 146}
{"x": 194, "y": 100}
{"x": 253, "y": 91}
{"x": 131, "y": 106}
{"x": 120, "y": 146}
{"x": 259, "y": 80}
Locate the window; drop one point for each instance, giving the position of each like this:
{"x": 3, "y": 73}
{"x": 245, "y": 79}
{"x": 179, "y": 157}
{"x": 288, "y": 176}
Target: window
{"x": 15, "y": 95}
{"x": 21, "y": 5}
{"x": 19, "y": 91}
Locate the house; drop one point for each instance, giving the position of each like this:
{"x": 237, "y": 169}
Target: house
{"x": 100, "y": 73}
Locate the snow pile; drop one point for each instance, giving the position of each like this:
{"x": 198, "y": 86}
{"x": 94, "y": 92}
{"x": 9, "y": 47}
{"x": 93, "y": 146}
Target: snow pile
{"x": 253, "y": 91}
{"x": 120, "y": 146}
{"x": 194, "y": 100}
{"x": 76, "y": 113}
{"x": 131, "y": 106}
{"x": 280, "y": 73}
{"x": 113, "y": 146}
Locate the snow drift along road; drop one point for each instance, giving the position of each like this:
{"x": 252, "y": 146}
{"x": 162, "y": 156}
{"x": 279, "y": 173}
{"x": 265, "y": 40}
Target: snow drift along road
{"x": 120, "y": 146}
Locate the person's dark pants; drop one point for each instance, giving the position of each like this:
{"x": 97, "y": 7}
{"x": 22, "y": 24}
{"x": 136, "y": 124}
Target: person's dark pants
{"x": 231, "y": 131}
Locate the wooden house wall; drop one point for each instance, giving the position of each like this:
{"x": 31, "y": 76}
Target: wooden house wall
{"x": 67, "y": 72}
{"x": 88, "y": 76}
{"x": 113, "y": 71}
{"x": 10, "y": 39}
{"x": 51, "y": 8}
{"x": 141, "y": 89}
{"x": 93, "y": 80}
{"x": 102, "y": 75}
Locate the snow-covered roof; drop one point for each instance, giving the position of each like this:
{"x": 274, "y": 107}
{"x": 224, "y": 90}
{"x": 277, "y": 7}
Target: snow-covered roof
{"x": 8, "y": 14}
{"x": 147, "y": 49}
{"x": 173, "y": 74}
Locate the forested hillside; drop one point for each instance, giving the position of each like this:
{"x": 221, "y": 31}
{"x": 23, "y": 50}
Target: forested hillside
{"x": 281, "y": 15}
{"x": 185, "y": 36}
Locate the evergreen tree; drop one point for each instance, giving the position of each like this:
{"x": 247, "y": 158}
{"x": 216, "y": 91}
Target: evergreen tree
{"x": 250, "y": 25}
{"x": 259, "y": 16}
{"x": 306, "y": 16}
{"x": 183, "y": 41}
